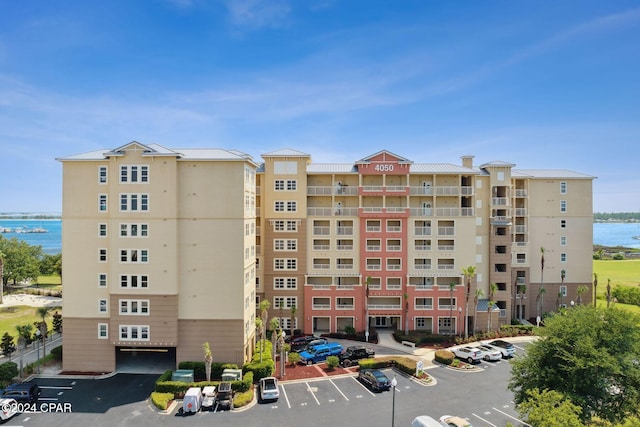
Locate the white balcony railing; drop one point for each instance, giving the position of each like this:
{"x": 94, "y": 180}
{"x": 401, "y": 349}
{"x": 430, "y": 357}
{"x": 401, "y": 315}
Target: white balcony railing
{"x": 384, "y": 306}
{"x": 345, "y": 266}
{"x": 446, "y": 231}
{"x": 424, "y": 307}
{"x": 321, "y": 266}
{"x": 373, "y": 248}
{"x": 394, "y": 248}
{"x": 373, "y": 229}
{"x": 321, "y": 231}
{"x": 422, "y": 231}
{"x": 321, "y": 306}
{"x": 345, "y": 247}
{"x": 372, "y": 188}
{"x": 445, "y": 247}
{"x": 344, "y": 307}
{"x": 321, "y": 247}
{"x": 446, "y": 266}
{"x": 420, "y": 190}
{"x": 447, "y": 191}
{"x": 422, "y": 247}
{"x": 422, "y": 266}
{"x": 499, "y": 201}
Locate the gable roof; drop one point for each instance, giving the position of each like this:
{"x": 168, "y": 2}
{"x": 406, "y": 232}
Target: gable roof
{"x": 286, "y": 152}
{"x": 385, "y": 153}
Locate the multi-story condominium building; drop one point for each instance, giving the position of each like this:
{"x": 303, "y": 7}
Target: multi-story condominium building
{"x": 159, "y": 256}
{"x": 382, "y": 242}
{"x": 164, "y": 250}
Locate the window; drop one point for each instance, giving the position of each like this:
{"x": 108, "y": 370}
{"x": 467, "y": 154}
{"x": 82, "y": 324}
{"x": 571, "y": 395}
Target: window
{"x": 292, "y": 226}
{"x": 103, "y": 255}
{"x": 102, "y": 230}
{"x": 285, "y": 264}
{"x": 278, "y": 206}
{"x": 279, "y": 185}
{"x": 344, "y": 303}
{"x": 563, "y": 205}
{"x": 134, "y": 333}
{"x": 563, "y": 188}
{"x": 134, "y": 281}
{"x": 102, "y": 174}
{"x": 281, "y": 225}
{"x": 285, "y": 302}
{"x": 285, "y": 283}
{"x": 500, "y": 176}
{"x": 563, "y": 290}
{"x": 445, "y": 303}
{"x": 292, "y": 206}
{"x": 134, "y": 307}
{"x": 563, "y": 223}
{"x": 134, "y": 202}
{"x": 134, "y": 174}
{"x": 102, "y": 280}
{"x": 102, "y": 202}
{"x": 134, "y": 255}
{"x": 134, "y": 230}
{"x": 421, "y": 322}
{"x": 563, "y": 241}
{"x": 285, "y": 245}
{"x": 103, "y": 331}
{"x": 292, "y": 185}
{"x": 102, "y": 305}
{"x": 563, "y": 257}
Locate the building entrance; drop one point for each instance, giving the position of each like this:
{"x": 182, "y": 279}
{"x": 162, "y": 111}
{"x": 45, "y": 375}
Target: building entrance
{"x": 145, "y": 360}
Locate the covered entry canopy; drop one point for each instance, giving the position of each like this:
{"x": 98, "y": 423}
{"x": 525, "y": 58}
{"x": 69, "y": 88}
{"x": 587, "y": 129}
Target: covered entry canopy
{"x": 145, "y": 360}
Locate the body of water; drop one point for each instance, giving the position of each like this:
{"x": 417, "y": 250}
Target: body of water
{"x": 607, "y": 234}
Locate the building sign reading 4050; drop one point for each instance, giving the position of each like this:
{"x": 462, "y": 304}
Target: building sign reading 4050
{"x": 383, "y": 168}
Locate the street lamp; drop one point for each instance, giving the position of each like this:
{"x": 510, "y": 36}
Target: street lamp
{"x": 38, "y": 333}
{"x": 394, "y": 383}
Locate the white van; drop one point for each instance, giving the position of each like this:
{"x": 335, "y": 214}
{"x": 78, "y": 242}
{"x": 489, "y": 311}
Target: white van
{"x": 192, "y": 400}
{"x": 425, "y": 421}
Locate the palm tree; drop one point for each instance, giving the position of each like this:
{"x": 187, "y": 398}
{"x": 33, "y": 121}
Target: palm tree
{"x": 468, "y": 273}
{"x": 294, "y": 310}
{"x": 522, "y": 289}
{"x": 476, "y": 296}
{"x": 579, "y": 291}
{"x": 274, "y": 324}
{"x": 541, "y": 292}
{"x": 43, "y": 312}
{"x": 452, "y": 287}
{"x": 563, "y": 274}
{"x": 492, "y": 289}
{"x": 540, "y": 298}
{"x": 208, "y": 359}
{"x": 595, "y": 288}
{"x": 24, "y": 331}
{"x": 264, "y": 314}
{"x": 258, "y": 322}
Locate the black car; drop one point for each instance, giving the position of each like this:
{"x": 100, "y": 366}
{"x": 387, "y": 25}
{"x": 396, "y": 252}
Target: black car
{"x": 375, "y": 379}
{"x": 354, "y": 353}
{"x": 300, "y": 343}
{"x": 28, "y": 392}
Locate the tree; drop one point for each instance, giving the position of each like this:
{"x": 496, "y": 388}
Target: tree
{"x": 294, "y": 310}
{"x": 492, "y": 290}
{"x": 57, "y": 322}
{"x": 7, "y": 345}
{"x": 541, "y": 291}
{"x": 589, "y": 355}
{"x": 579, "y": 291}
{"x": 563, "y": 274}
{"x": 43, "y": 312}
{"x": 468, "y": 273}
{"x": 595, "y": 288}
{"x": 522, "y": 290}
{"x": 24, "y": 337}
{"x": 208, "y": 359}
{"x": 549, "y": 408}
{"x": 264, "y": 314}
{"x": 274, "y": 324}
{"x": 452, "y": 287}
{"x": 51, "y": 264}
{"x": 478, "y": 294}
{"x": 21, "y": 260}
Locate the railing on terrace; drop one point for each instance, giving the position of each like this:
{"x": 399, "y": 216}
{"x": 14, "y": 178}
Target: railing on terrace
{"x": 373, "y": 248}
{"x": 448, "y": 191}
{"x": 467, "y": 211}
{"x": 321, "y": 306}
{"x": 446, "y": 266}
{"x": 394, "y": 248}
{"x": 521, "y": 192}
{"x": 521, "y": 228}
{"x": 321, "y": 247}
{"x": 445, "y": 247}
{"x": 345, "y": 247}
{"x": 394, "y": 267}
{"x": 394, "y": 287}
{"x": 374, "y": 267}
{"x": 319, "y": 190}
{"x": 372, "y": 209}
{"x": 396, "y": 188}
{"x": 373, "y": 229}
{"x": 446, "y": 231}
{"x": 375, "y": 287}
{"x": 396, "y": 209}
{"x": 499, "y": 201}
{"x": 345, "y": 287}
{"x": 447, "y": 211}
{"x": 345, "y": 266}
{"x": 344, "y": 231}
{"x": 424, "y": 287}
{"x": 372, "y": 188}
{"x": 321, "y": 231}
{"x": 346, "y": 211}
{"x": 444, "y": 307}
{"x": 466, "y": 190}
{"x": 393, "y": 229}
{"x": 384, "y": 306}
{"x": 521, "y": 211}
{"x": 424, "y": 307}
{"x": 421, "y": 211}
{"x": 422, "y": 266}
{"x": 319, "y": 211}
{"x": 422, "y": 231}
{"x": 319, "y": 287}
{"x": 420, "y": 190}
{"x": 422, "y": 247}
{"x": 321, "y": 266}
{"x": 344, "y": 307}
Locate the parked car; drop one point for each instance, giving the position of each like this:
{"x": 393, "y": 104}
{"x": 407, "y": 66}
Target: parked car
{"x": 375, "y": 379}
{"x": 320, "y": 353}
{"x": 354, "y": 353}
{"x": 208, "y": 398}
{"x": 8, "y": 408}
{"x": 507, "y": 349}
{"x": 425, "y": 421}
{"x": 452, "y": 421}
{"x": 300, "y": 343}
{"x": 28, "y": 392}
{"x": 489, "y": 352}
{"x": 468, "y": 354}
{"x": 269, "y": 389}
{"x": 316, "y": 342}
{"x": 224, "y": 395}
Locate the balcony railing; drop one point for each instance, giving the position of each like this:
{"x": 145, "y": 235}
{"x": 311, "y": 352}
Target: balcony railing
{"x": 321, "y": 266}
{"x": 521, "y": 193}
{"x": 499, "y": 201}
{"x": 344, "y": 307}
{"x": 321, "y": 247}
{"x": 422, "y": 231}
{"x": 424, "y": 307}
{"x": 384, "y": 306}
{"x": 448, "y": 191}
{"x": 345, "y": 266}
{"x": 466, "y": 190}
{"x": 422, "y": 247}
{"x": 446, "y": 231}
{"x": 394, "y": 248}
{"x": 420, "y": 190}
{"x": 424, "y": 287}
{"x": 319, "y": 190}
{"x": 396, "y": 188}
{"x": 321, "y": 231}
{"x": 372, "y": 188}
{"x": 321, "y": 306}
{"x": 394, "y": 287}
{"x": 374, "y": 267}
{"x": 373, "y": 248}
{"x": 521, "y": 211}
{"x": 521, "y": 228}
{"x": 394, "y": 267}
{"x": 319, "y": 211}
{"x": 345, "y": 247}
{"x": 446, "y": 266}
{"x": 393, "y": 229}
{"x": 421, "y": 212}
{"x": 346, "y": 211}
{"x": 344, "y": 231}
{"x": 445, "y": 247}
{"x": 345, "y": 287}
{"x": 422, "y": 266}
{"x": 374, "y": 229}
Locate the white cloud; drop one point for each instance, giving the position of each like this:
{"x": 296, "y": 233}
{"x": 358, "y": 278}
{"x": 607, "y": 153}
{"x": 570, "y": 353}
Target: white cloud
{"x": 256, "y": 14}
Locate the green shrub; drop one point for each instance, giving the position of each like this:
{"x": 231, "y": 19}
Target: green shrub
{"x": 8, "y": 371}
{"x": 444, "y": 356}
{"x": 57, "y": 353}
{"x": 406, "y": 365}
{"x": 260, "y": 370}
{"x": 166, "y": 376}
{"x": 618, "y": 257}
{"x": 173, "y": 387}
{"x": 349, "y": 330}
{"x": 332, "y": 362}
{"x": 161, "y": 400}
{"x": 294, "y": 358}
{"x": 245, "y": 384}
{"x": 373, "y": 363}
{"x": 243, "y": 398}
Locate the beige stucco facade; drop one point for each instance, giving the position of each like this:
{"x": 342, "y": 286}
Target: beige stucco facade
{"x": 185, "y": 254}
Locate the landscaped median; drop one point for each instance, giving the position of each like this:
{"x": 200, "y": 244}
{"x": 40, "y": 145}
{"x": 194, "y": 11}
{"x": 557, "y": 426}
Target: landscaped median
{"x": 405, "y": 365}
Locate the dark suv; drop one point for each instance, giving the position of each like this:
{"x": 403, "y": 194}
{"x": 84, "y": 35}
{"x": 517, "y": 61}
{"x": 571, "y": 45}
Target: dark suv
{"x": 28, "y": 392}
{"x": 354, "y": 353}
{"x": 300, "y": 343}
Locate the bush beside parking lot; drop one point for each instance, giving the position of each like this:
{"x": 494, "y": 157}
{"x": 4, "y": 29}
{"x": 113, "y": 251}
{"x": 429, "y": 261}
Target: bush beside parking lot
{"x": 161, "y": 400}
{"x": 243, "y": 398}
{"x": 444, "y": 356}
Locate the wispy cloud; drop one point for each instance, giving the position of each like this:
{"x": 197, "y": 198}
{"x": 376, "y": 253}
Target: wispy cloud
{"x": 256, "y": 14}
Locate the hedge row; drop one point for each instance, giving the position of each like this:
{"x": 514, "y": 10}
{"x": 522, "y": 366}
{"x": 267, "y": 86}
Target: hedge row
{"x": 444, "y": 356}
{"x": 178, "y": 388}
{"x": 161, "y": 400}
{"x": 199, "y": 372}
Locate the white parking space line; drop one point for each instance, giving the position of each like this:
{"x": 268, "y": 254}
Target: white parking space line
{"x": 285, "y": 396}
{"x": 483, "y": 420}
{"x": 513, "y": 418}
{"x": 312, "y": 393}
{"x": 364, "y": 387}
{"x": 339, "y": 391}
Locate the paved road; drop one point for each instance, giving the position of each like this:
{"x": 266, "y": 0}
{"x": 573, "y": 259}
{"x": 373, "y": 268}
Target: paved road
{"x": 31, "y": 354}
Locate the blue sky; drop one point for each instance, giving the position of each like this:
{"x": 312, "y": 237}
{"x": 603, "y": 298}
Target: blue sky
{"x": 542, "y": 84}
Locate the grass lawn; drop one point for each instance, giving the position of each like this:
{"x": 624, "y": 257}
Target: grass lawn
{"x": 624, "y": 272}
{"x": 20, "y": 315}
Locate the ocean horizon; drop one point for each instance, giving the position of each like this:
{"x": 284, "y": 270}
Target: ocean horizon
{"x": 606, "y": 234}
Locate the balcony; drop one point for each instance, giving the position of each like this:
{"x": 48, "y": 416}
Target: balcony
{"x": 318, "y": 266}
{"x": 344, "y": 231}
{"x": 319, "y": 211}
{"x": 420, "y": 190}
{"x": 344, "y": 266}
{"x": 466, "y": 190}
{"x": 447, "y": 211}
{"x": 321, "y": 306}
{"x": 372, "y": 188}
{"x": 422, "y": 247}
{"x": 446, "y": 231}
{"x": 422, "y": 231}
{"x": 373, "y": 248}
{"x": 521, "y": 193}
{"x": 344, "y": 247}
{"x": 424, "y": 307}
{"x": 521, "y": 228}
{"x": 321, "y": 231}
{"x": 391, "y": 287}
{"x": 321, "y": 247}
{"x": 345, "y": 307}
{"x": 393, "y": 267}
{"x": 394, "y": 248}
{"x": 521, "y": 211}
{"x": 374, "y": 267}
{"x": 446, "y": 247}
{"x": 424, "y": 287}
{"x": 448, "y": 191}
{"x": 499, "y": 201}
{"x": 384, "y": 306}
{"x": 396, "y": 188}
{"x": 446, "y": 266}
{"x": 319, "y": 190}
{"x": 421, "y": 212}
{"x": 373, "y": 229}
{"x": 422, "y": 266}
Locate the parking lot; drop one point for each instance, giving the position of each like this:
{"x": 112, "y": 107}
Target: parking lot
{"x": 480, "y": 396}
